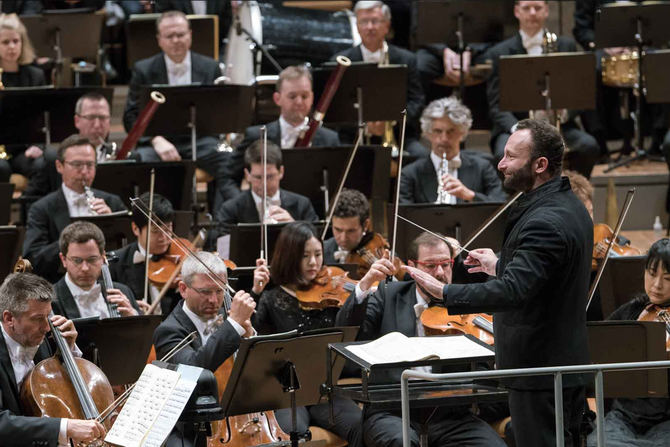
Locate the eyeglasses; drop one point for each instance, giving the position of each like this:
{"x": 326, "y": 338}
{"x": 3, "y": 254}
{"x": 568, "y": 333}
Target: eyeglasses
{"x": 373, "y": 22}
{"x": 93, "y": 260}
{"x": 178, "y": 36}
{"x": 78, "y": 165}
{"x": 432, "y": 265}
{"x": 93, "y": 117}
{"x": 208, "y": 292}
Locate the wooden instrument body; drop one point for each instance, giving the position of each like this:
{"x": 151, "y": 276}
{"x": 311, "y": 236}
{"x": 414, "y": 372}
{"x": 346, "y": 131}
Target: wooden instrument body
{"x": 437, "y": 321}
{"x": 330, "y": 288}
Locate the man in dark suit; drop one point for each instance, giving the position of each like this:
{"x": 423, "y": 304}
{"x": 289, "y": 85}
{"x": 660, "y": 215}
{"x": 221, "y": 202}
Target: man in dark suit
{"x": 78, "y": 293}
{"x": 219, "y": 330}
{"x": 25, "y": 305}
{"x": 464, "y": 176}
{"x": 175, "y": 65}
{"x": 48, "y": 216}
{"x": 281, "y": 205}
{"x": 294, "y": 97}
{"x": 396, "y": 307}
{"x": 583, "y": 150}
{"x": 127, "y": 264}
{"x": 539, "y": 285}
{"x": 373, "y": 20}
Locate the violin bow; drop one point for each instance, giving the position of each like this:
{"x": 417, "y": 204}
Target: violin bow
{"x": 147, "y": 245}
{"x": 601, "y": 267}
{"x": 264, "y": 224}
{"x": 397, "y": 188}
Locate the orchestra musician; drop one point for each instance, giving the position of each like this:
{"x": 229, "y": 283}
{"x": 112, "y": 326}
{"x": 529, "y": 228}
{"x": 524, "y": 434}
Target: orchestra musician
{"x": 16, "y": 57}
{"x": 281, "y": 205}
{"x": 127, "y": 264}
{"x": 294, "y": 97}
{"x": 532, "y": 15}
{"x": 539, "y": 286}
{"x": 469, "y": 176}
{"x": 176, "y": 64}
{"x": 78, "y": 293}
{"x": 92, "y": 117}
{"x": 200, "y": 310}
{"x": 642, "y": 421}
{"x": 51, "y": 214}
{"x": 373, "y": 20}
{"x": 397, "y": 307}
{"x": 296, "y": 262}
{"x": 25, "y": 303}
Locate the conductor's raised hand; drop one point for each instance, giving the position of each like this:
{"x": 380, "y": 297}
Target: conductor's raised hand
{"x": 427, "y": 282}
{"x": 482, "y": 260}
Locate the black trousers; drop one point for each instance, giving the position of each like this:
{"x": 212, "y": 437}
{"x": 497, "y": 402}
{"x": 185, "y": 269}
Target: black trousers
{"x": 443, "y": 428}
{"x": 347, "y": 418}
{"x": 533, "y": 416}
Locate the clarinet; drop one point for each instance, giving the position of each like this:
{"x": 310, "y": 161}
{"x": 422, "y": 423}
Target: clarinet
{"x": 89, "y": 197}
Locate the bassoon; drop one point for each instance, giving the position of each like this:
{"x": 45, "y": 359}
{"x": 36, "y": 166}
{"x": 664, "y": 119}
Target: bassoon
{"x": 141, "y": 124}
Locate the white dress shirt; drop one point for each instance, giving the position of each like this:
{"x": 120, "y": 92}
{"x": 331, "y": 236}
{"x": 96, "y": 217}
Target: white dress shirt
{"x": 371, "y": 56}
{"x": 532, "y": 44}
{"x": 77, "y": 204}
{"x": 179, "y": 73}
{"x": 452, "y": 169}
{"x": 90, "y": 303}
{"x": 274, "y": 200}
{"x": 290, "y": 133}
{"x": 201, "y": 324}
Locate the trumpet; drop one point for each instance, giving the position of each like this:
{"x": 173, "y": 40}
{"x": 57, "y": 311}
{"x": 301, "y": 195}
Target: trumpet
{"x": 90, "y": 197}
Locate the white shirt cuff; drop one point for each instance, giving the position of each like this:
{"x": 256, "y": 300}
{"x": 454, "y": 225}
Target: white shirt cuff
{"x": 238, "y": 328}
{"x": 361, "y": 295}
{"x": 62, "y": 434}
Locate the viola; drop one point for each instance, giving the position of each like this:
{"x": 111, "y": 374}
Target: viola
{"x": 331, "y": 288}
{"x": 654, "y": 312}
{"x": 370, "y": 251}
{"x": 162, "y": 267}
{"x": 437, "y": 321}
{"x": 602, "y": 235}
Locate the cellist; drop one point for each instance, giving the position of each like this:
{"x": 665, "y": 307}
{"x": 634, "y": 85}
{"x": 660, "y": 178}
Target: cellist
{"x": 25, "y": 303}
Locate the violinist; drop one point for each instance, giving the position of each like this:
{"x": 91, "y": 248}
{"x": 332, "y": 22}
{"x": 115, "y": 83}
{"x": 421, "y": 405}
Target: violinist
{"x": 78, "y": 293}
{"x": 25, "y": 303}
{"x": 201, "y": 310}
{"x": 296, "y": 262}
{"x": 127, "y": 263}
{"x": 397, "y": 306}
{"x": 642, "y": 421}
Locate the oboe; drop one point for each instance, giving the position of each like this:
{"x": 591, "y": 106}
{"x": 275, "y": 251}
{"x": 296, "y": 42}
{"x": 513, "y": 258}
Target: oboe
{"x": 90, "y": 197}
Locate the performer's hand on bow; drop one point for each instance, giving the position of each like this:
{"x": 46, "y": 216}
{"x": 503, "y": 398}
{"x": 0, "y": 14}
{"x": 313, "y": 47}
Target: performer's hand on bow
{"x": 84, "y": 432}
{"x": 261, "y": 276}
{"x": 242, "y": 307}
{"x": 378, "y": 271}
{"x": 482, "y": 260}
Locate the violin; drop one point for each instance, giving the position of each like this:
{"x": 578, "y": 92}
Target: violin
{"x": 162, "y": 267}
{"x": 437, "y": 321}
{"x": 369, "y": 252}
{"x": 331, "y": 288}
{"x": 602, "y": 235}
{"x": 654, "y": 312}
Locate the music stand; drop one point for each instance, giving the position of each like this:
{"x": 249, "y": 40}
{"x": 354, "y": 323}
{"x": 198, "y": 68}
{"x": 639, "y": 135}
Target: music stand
{"x": 638, "y": 25}
{"x": 107, "y": 341}
{"x": 11, "y": 242}
{"x": 32, "y": 115}
{"x": 655, "y": 66}
{"x": 622, "y": 279}
{"x": 316, "y": 173}
{"x": 6, "y": 192}
{"x": 284, "y": 371}
{"x": 51, "y": 33}
{"x": 630, "y": 341}
{"x": 115, "y": 227}
{"x": 172, "y": 180}
{"x": 459, "y": 221}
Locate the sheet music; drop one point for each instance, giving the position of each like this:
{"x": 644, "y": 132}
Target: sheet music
{"x": 455, "y": 347}
{"x": 153, "y": 408}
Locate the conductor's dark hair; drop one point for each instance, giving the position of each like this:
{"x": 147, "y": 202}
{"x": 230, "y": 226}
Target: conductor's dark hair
{"x": 659, "y": 252}
{"x": 288, "y": 253}
{"x": 254, "y": 154}
{"x": 162, "y": 208}
{"x": 71, "y": 141}
{"x": 546, "y": 141}
{"x": 352, "y": 203}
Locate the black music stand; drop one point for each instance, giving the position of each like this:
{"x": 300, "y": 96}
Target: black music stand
{"x": 316, "y": 173}
{"x": 630, "y": 341}
{"x": 11, "y": 243}
{"x": 172, "y": 180}
{"x": 638, "y": 25}
{"x": 51, "y": 33}
{"x": 284, "y": 371}
{"x": 107, "y": 341}
{"x": 115, "y": 227}
{"x": 655, "y": 66}
{"x": 622, "y": 280}
{"x": 6, "y": 192}
{"x": 466, "y": 21}
{"x": 459, "y": 221}
{"x": 34, "y": 115}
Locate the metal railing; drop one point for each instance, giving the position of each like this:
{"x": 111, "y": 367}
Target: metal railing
{"x": 556, "y": 371}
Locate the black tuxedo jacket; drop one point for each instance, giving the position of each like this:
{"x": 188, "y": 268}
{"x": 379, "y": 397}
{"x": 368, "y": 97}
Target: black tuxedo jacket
{"x": 234, "y": 166}
{"x": 415, "y": 96}
{"x": 66, "y": 305}
{"x": 242, "y": 209}
{"x": 126, "y": 272}
{"x": 503, "y": 120}
{"x": 418, "y": 183}
{"x": 152, "y": 70}
{"x": 220, "y": 345}
{"x": 46, "y": 219}
{"x": 17, "y": 430}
